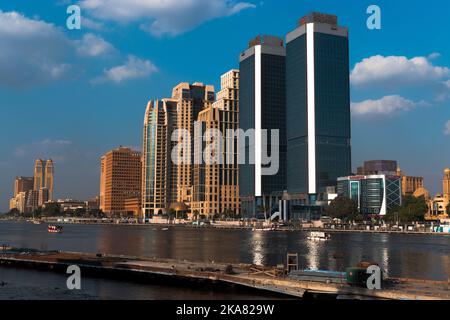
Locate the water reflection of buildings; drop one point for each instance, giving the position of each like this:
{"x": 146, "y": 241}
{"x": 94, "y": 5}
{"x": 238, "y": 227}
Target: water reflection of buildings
{"x": 258, "y": 239}
{"x": 313, "y": 255}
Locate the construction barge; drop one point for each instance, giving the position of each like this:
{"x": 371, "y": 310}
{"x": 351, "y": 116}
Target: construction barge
{"x": 269, "y": 279}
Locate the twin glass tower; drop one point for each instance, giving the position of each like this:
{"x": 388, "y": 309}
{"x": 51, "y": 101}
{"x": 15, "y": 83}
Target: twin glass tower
{"x": 302, "y": 89}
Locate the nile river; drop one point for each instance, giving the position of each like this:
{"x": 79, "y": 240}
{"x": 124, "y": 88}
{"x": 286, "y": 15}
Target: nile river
{"x": 399, "y": 255}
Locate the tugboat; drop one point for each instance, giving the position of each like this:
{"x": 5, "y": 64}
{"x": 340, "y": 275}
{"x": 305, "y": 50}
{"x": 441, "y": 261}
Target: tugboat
{"x": 54, "y": 229}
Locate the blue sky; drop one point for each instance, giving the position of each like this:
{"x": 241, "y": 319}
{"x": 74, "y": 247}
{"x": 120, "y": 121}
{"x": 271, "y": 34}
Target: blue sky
{"x": 74, "y": 94}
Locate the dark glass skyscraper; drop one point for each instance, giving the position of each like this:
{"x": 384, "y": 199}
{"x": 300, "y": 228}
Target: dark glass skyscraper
{"x": 262, "y": 98}
{"x": 317, "y": 104}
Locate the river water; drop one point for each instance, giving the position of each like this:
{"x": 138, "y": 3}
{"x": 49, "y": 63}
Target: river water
{"x": 399, "y": 255}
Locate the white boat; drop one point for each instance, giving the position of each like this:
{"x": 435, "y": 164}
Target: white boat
{"x": 319, "y": 236}
{"x": 264, "y": 229}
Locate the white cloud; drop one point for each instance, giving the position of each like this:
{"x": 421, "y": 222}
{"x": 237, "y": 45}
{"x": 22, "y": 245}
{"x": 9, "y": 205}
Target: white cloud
{"x": 91, "y": 24}
{"x": 447, "y": 84}
{"x": 384, "y": 106}
{"x": 134, "y": 68}
{"x": 447, "y": 128}
{"x": 36, "y": 52}
{"x": 398, "y": 71}
{"x": 91, "y": 46}
{"x": 434, "y": 55}
{"x": 31, "y": 51}
{"x": 168, "y": 17}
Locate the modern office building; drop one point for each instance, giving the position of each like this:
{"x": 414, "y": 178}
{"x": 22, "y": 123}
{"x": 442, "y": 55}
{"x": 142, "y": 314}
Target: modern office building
{"x": 23, "y": 184}
{"x": 44, "y": 176}
{"x": 262, "y": 99}
{"x": 375, "y": 194}
{"x": 159, "y": 179}
{"x": 120, "y": 179}
{"x": 215, "y": 187}
{"x": 317, "y": 105}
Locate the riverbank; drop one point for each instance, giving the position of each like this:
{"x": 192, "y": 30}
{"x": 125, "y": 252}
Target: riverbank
{"x": 230, "y": 225}
{"x": 184, "y": 272}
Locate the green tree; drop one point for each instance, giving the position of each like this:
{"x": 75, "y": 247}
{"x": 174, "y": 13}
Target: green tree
{"x": 412, "y": 209}
{"x": 343, "y": 208}
{"x": 51, "y": 209}
{"x": 13, "y": 212}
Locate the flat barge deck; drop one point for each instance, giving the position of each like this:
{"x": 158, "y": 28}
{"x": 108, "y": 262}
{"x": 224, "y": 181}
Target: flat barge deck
{"x": 245, "y": 275}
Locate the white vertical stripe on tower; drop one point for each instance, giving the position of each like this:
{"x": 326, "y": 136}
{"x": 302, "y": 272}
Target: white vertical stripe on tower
{"x": 311, "y": 108}
{"x": 258, "y": 189}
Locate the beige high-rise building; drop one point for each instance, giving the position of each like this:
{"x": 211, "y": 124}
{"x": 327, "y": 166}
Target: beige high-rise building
{"x": 166, "y": 180}
{"x": 159, "y": 184}
{"x": 215, "y": 183}
{"x": 23, "y": 184}
{"x": 49, "y": 178}
{"x": 44, "y": 176}
{"x": 410, "y": 184}
{"x": 120, "y": 179}
{"x": 191, "y": 99}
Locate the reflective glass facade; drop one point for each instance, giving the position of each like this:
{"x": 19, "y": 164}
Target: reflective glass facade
{"x": 332, "y": 156}
{"x": 375, "y": 194}
{"x": 273, "y": 116}
{"x": 247, "y": 121}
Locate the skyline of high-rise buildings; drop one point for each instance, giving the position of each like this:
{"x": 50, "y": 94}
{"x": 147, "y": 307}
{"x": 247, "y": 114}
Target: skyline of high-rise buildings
{"x": 298, "y": 87}
{"x": 30, "y": 193}
{"x": 301, "y": 89}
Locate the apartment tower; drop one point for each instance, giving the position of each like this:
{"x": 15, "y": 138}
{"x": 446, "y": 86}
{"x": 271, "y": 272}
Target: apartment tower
{"x": 190, "y": 99}
{"x": 120, "y": 179}
{"x": 23, "y": 184}
{"x": 216, "y": 187}
{"x": 159, "y": 188}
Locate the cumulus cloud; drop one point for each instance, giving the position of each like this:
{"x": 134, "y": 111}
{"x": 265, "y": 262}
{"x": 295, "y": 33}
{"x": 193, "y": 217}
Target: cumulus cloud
{"x": 169, "y": 17}
{"x": 384, "y": 106}
{"x": 35, "y": 52}
{"x": 398, "y": 71}
{"x": 91, "y": 24}
{"x": 447, "y": 84}
{"x": 31, "y": 51}
{"x": 91, "y": 46}
{"x": 447, "y": 128}
{"x": 133, "y": 68}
